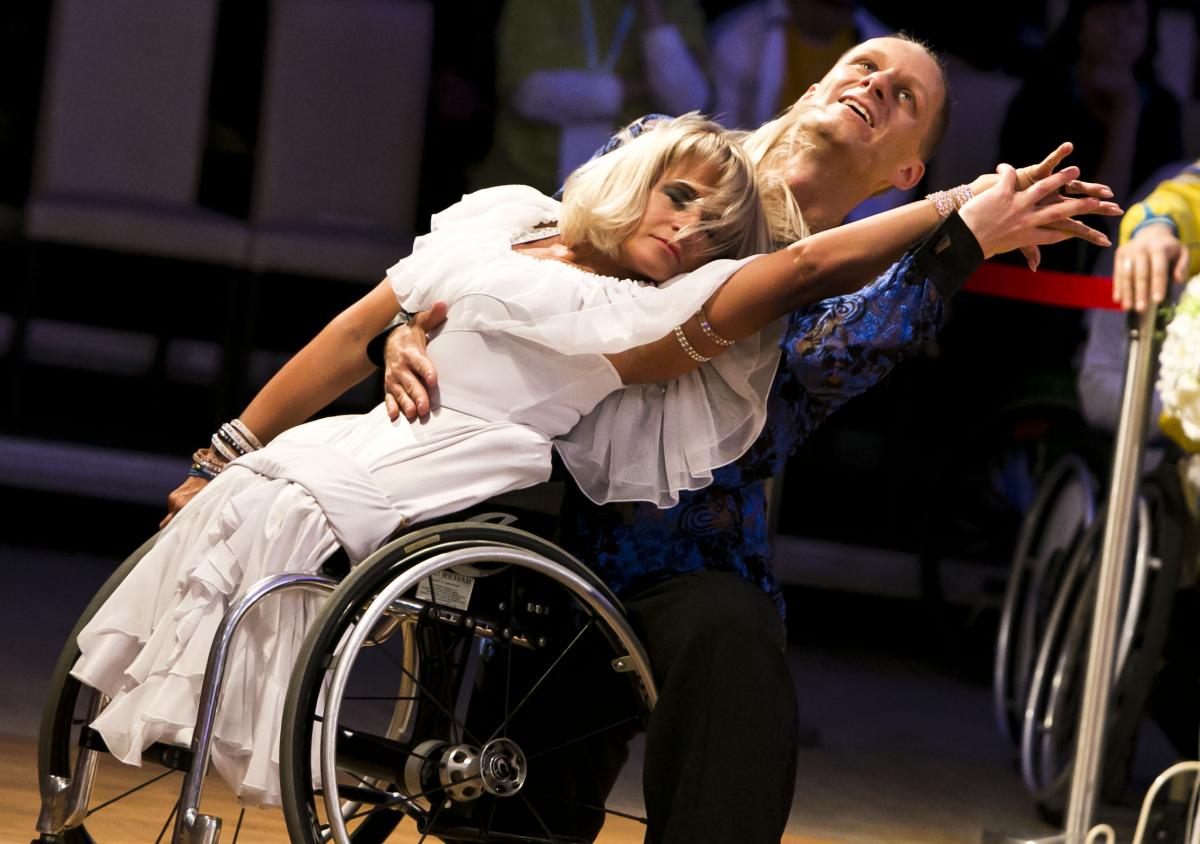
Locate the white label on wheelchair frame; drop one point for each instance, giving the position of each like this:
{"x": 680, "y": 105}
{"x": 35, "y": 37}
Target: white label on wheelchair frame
{"x": 450, "y": 589}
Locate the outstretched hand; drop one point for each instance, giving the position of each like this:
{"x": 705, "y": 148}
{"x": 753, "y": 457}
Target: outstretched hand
{"x": 1033, "y": 173}
{"x": 1005, "y": 217}
{"x": 1028, "y": 176}
{"x": 409, "y": 376}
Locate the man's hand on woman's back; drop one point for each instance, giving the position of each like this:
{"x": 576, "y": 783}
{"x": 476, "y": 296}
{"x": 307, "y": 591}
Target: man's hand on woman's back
{"x": 409, "y": 376}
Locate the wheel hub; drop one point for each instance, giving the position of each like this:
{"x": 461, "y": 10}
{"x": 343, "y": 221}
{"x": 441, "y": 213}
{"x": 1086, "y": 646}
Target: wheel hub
{"x": 503, "y": 767}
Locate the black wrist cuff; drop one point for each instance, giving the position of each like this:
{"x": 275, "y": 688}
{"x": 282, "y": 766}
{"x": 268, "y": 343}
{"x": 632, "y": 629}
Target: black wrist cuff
{"x": 949, "y": 255}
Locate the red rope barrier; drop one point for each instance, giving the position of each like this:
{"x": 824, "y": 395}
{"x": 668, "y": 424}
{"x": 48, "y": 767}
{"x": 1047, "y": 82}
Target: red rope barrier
{"x": 1046, "y": 287}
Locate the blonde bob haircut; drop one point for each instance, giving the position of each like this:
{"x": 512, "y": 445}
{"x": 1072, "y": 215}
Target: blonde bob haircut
{"x": 604, "y": 199}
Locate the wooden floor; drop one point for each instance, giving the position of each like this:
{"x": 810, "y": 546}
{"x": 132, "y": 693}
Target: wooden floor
{"x": 141, "y": 819}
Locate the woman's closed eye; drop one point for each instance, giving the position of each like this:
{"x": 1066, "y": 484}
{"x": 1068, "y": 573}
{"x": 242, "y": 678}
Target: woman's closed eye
{"x": 681, "y": 194}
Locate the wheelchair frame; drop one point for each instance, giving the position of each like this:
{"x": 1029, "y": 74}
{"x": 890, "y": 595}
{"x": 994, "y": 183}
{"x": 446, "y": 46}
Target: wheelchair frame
{"x": 373, "y": 590}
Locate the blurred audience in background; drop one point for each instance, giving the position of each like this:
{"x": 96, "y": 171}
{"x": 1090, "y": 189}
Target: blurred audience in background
{"x": 1097, "y": 85}
{"x": 568, "y": 72}
{"x": 766, "y": 53}
{"x": 524, "y": 89}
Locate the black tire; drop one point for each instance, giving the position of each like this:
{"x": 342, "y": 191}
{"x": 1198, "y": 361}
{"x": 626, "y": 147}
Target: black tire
{"x": 1147, "y": 595}
{"x": 449, "y": 672}
{"x": 1063, "y": 509}
{"x": 66, "y": 699}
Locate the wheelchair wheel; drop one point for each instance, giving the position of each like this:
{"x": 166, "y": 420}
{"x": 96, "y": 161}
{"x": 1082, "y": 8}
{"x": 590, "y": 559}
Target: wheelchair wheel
{"x": 1074, "y": 588}
{"x": 430, "y": 687}
{"x": 1064, "y": 507}
{"x": 1053, "y": 712}
{"x": 124, "y": 802}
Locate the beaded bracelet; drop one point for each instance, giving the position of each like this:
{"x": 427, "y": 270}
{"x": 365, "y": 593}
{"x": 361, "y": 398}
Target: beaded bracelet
{"x": 223, "y": 448}
{"x": 205, "y": 468}
{"x": 240, "y": 427}
{"x": 709, "y": 331}
{"x": 688, "y": 348}
{"x": 231, "y": 441}
{"x": 948, "y": 201}
{"x": 198, "y": 471}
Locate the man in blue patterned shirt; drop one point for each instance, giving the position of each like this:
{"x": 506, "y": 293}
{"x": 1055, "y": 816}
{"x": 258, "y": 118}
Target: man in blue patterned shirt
{"x": 696, "y": 579}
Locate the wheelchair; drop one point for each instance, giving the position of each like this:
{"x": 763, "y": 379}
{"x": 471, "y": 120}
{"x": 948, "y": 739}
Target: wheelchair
{"x": 1045, "y": 624}
{"x": 416, "y": 696}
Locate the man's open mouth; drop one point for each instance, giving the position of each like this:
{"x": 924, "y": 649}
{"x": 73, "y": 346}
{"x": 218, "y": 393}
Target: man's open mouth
{"x": 860, "y": 111}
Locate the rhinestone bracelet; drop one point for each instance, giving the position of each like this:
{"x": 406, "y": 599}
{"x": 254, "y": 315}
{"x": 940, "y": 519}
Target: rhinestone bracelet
{"x": 688, "y": 348}
{"x": 948, "y": 201}
{"x": 240, "y": 426}
{"x": 234, "y": 439}
{"x": 709, "y": 331}
{"x": 221, "y": 447}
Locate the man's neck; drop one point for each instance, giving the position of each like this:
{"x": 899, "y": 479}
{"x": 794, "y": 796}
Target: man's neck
{"x": 826, "y": 188}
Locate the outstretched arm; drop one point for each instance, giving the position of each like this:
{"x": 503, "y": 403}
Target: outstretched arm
{"x": 411, "y": 379}
{"x": 331, "y": 363}
{"x": 835, "y": 262}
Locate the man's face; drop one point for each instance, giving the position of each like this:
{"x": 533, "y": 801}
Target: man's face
{"x": 877, "y": 104}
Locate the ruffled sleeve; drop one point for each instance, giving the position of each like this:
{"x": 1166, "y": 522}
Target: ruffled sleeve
{"x": 435, "y": 269}
{"x": 647, "y": 442}
{"x": 650, "y": 441}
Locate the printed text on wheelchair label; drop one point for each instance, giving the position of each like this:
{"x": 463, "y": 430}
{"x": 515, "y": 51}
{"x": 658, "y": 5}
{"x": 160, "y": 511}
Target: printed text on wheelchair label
{"x": 450, "y": 589}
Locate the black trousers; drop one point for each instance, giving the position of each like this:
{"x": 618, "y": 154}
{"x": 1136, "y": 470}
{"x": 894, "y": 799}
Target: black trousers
{"x": 721, "y": 746}
{"x": 720, "y": 761}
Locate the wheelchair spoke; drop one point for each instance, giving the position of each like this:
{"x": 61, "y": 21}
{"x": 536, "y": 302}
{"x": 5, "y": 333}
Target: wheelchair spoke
{"x": 237, "y": 830}
{"x": 631, "y": 719}
{"x": 512, "y": 714}
{"x": 455, "y": 670}
{"x": 487, "y": 829}
{"x": 166, "y": 824}
{"x": 537, "y": 817}
{"x": 374, "y": 810}
{"x": 512, "y": 600}
{"x": 605, "y": 810}
{"x": 432, "y": 820}
{"x": 425, "y": 691}
{"x": 125, "y": 794}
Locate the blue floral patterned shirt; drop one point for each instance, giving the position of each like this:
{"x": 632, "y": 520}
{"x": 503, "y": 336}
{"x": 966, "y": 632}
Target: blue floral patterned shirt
{"x": 833, "y": 350}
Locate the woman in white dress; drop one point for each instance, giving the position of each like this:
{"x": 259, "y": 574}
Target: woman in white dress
{"x": 545, "y": 326}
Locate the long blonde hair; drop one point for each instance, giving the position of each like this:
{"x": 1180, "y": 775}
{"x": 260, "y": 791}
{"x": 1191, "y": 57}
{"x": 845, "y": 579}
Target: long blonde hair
{"x": 603, "y": 200}
{"x": 771, "y": 146}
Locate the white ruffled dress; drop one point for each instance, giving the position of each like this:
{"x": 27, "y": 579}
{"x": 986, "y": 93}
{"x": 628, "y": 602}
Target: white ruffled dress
{"x": 521, "y": 369}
